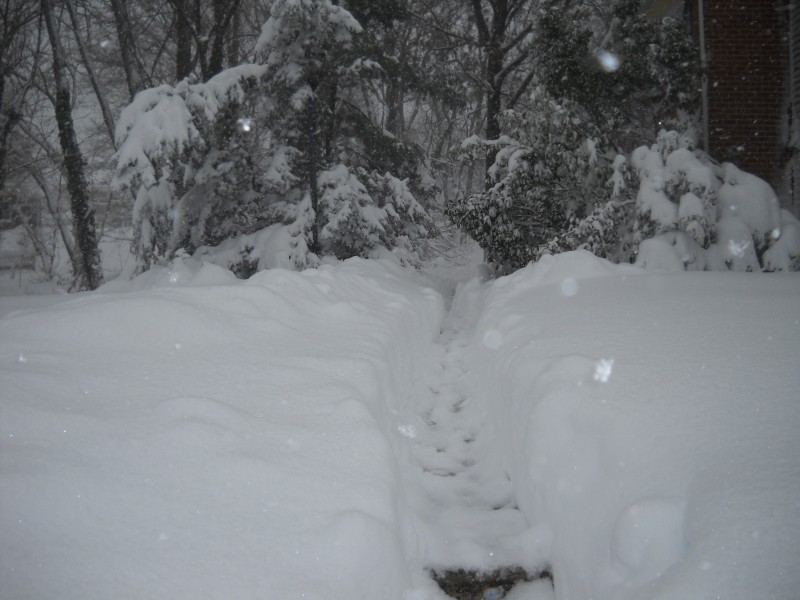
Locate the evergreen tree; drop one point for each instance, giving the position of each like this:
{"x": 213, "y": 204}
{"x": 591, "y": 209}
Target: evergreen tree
{"x": 596, "y": 92}
{"x": 283, "y": 140}
{"x": 626, "y": 75}
{"x": 191, "y": 161}
{"x": 320, "y": 58}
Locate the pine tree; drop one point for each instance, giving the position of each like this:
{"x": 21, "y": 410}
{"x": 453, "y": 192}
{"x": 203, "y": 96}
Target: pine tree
{"x": 281, "y": 140}
{"x": 595, "y": 93}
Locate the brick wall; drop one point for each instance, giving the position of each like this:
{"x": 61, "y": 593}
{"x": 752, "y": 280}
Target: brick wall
{"x": 748, "y": 59}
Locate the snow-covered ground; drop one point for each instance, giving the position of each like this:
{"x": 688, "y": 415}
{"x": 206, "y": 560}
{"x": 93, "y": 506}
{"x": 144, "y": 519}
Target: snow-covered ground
{"x": 330, "y": 434}
{"x": 650, "y": 425}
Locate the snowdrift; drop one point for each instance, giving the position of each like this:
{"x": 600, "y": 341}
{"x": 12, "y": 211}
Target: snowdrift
{"x": 208, "y": 438}
{"x": 650, "y": 425}
{"x": 190, "y": 435}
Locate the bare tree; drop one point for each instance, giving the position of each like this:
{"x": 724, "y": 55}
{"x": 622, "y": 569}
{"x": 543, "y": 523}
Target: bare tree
{"x": 200, "y": 43}
{"x": 134, "y": 72}
{"x": 501, "y": 37}
{"x": 105, "y": 109}
{"x": 87, "y": 268}
{"x": 16, "y": 41}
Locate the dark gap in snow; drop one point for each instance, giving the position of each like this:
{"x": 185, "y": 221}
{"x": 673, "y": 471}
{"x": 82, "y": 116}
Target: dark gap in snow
{"x": 463, "y": 584}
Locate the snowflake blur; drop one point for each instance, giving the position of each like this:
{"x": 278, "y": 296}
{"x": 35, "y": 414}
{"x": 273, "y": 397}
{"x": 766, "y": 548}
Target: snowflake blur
{"x": 738, "y": 248}
{"x": 569, "y": 287}
{"x": 609, "y": 61}
{"x": 493, "y": 339}
{"x": 407, "y": 430}
{"x": 602, "y": 370}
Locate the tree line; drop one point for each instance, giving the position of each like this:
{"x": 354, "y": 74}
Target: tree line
{"x": 352, "y": 124}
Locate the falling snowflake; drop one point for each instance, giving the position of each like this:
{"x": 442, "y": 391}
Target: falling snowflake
{"x": 407, "y": 430}
{"x": 609, "y": 61}
{"x": 245, "y": 124}
{"x": 738, "y": 249}
{"x": 602, "y": 369}
{"x": 569, "y": 287}
{"x": 493, "y": 339}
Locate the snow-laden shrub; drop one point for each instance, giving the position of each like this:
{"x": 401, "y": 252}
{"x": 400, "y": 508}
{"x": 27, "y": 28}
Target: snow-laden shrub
{"x": 784, "y": 253}
{"x": 674, "y": 208}
{"x": 709, "y": 217}
{"x": 542, "y": 177}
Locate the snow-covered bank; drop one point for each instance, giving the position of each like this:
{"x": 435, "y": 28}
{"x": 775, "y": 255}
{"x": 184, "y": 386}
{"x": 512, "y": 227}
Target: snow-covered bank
{"x": 651, "y": 425}
{"x": 218, "y": 439}
{"x": 312, "y": 435}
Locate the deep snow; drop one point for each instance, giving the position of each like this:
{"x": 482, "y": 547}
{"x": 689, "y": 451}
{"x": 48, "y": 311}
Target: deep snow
{"x": 329, "y": 434}
{"x": 210, "y": 438}
{"x": 651, "y": 424}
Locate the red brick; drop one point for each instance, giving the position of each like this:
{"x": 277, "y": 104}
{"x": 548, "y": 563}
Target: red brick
{"x": 747, "y": 49}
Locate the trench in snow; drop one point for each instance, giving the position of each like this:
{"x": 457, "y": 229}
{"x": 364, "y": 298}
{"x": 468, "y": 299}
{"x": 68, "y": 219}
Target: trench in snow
{"x": 462, "y": 495}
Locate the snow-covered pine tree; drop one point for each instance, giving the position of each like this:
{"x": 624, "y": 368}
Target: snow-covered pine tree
{"x": 321, "y": 61}
{"x": 200, "y": 173}
{"x": 627, "y": 76}
{"x": 595, "y": 94}
{"x": 257, "y": 143}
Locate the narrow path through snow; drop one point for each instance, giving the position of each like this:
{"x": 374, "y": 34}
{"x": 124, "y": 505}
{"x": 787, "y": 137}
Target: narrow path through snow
{"x": 462, "y": 497}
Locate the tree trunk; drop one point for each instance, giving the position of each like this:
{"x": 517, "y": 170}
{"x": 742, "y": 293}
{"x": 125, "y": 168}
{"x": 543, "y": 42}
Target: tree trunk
{"x": 494, "y": 66}
{"x": 395, "y": 88}
{"x": 224, "y": 12}
{"x": 234, "y": 42}
{"x": 183, "y": 40}
{"x": 395, "y": 121}
{"x": 492, "y": 37}
{"x": 130, "y": 64}
{"x": 88, "y": 269}
{"x": 200, "y": 39}
{"x": 13, "y": 30}
{"x": 331, "y": 93}
{"x": 311, "y": 133}
{"x": 9, "y": 116}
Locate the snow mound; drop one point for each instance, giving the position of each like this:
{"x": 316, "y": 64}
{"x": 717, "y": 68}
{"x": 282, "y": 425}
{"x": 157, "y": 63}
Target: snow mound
{"x": 751, "y": 199}
{"x": 565, "y": 269}
{"x": 180, "y": 272}
{"x": 649, "y": 424}
{"x": 202, "y": 437}
{"x": 648, "y": 538}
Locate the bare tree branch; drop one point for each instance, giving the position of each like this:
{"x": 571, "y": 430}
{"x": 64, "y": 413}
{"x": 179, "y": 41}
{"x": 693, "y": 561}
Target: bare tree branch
{"x": 105, "y": 110}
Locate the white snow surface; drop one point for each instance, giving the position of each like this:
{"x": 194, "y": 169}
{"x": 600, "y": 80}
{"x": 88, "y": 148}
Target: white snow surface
{"x": 650, "y": 425}
{"x": 206, "y": 438}
{"x": 331, "y": 433}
